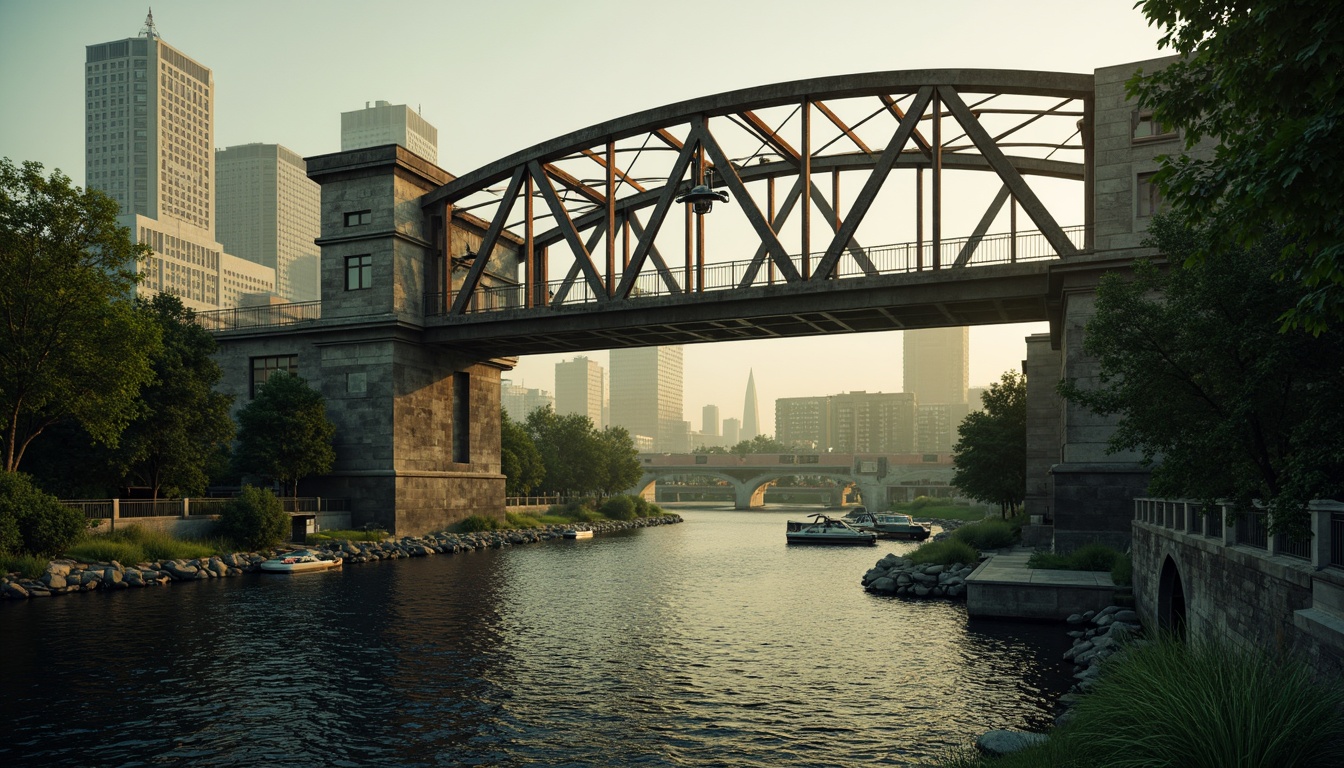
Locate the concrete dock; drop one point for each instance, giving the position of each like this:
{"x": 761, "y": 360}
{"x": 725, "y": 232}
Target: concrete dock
{"x": 1004, "y": 587}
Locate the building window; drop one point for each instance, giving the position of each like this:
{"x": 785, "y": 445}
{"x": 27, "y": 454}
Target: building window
{"x": 1150, "y": 197}
{"x": 358, "y": 272}
{"x": 1145, "y": 128}
{"x": 263, "y": 368}
{"x": 357, "y": 218}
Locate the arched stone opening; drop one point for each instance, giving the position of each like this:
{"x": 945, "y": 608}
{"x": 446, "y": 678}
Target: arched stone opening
{"x": 1171, "y": 607}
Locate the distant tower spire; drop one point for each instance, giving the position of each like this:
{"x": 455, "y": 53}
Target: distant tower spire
{"x": 751, "y": 417}
{"x": 149, "y": 30}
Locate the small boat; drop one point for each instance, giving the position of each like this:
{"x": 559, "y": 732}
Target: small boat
{"x": 827, "y": 530}
{"x": 891, "y": 525}
{"x": 299, "y": 561}
{"x": 574, "y": 533}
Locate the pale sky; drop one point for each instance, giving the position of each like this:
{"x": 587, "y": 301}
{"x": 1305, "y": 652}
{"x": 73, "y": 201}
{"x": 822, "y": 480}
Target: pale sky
{"x": 496, "y": 77}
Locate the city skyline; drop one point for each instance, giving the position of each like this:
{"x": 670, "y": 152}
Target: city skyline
{"x": 269, "y": 90}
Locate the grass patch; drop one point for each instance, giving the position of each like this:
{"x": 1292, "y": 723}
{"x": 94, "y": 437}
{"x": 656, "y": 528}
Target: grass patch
{"x": 945, "y": 509}
{"x": 1122, "y": 573}
{"x": 945, "y": 552}
{"x": 987, "y": 534}
{"x": 1089, "y": 557}
{"x": 102, "y": 549}
{"x": 376, "y": 534}
{"x": 134, "y": 544}
{"x": 478, "y": 523}
{"x": 27, "y": 566}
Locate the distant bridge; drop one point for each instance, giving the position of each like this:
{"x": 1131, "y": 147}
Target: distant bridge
{"x": 881, "y": 478}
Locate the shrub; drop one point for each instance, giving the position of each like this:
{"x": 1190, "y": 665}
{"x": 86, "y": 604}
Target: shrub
{"x": 520, "y": 520}
{"x": 945, "y": 552}
{"x": 44, "y": 525}
{"x": 1208, "y": 704}
{"x": 1089, "y": 557}
{"x": 477, "y": 523}
{"x": 102, "y": 549}
{"x": 989, "y": 534}
{"x": 27, "y": 566}
{"x": 255, "y": 520}
{"x": 619, "y": 508}
{"x": 1122, "y": 573}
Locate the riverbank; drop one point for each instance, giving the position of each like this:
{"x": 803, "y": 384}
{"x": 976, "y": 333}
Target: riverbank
{"x": 64, "y": 576}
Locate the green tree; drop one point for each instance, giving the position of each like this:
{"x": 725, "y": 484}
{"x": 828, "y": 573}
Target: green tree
{"x": 255, "y": 519}
{"x": 519, "y": 459}
{"x": 183, "y": 423}
{"x": 1264, "y": 80}
{"x": 580, "y": 459}
{"x": 990, "y": 458}
{"x": 72, "y": 345}
{"x": 34, "y": 522}
{"x": 284, "y": 433}
{"x": 1221, "y": 403}
{"x": 620, "y": 467}
{"x": 761, "y": 444}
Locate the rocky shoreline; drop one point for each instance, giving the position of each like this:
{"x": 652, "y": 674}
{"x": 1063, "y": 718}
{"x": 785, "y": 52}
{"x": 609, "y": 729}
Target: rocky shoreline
{"x": 66, "y": 576}
{"x": 893, "y": 575}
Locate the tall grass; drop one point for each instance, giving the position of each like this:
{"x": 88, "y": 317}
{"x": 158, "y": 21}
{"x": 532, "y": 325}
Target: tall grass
{"x": 27, "y": 566}
{"x": 1208, "y": 705}
{"x": 988, "y": 534}
{"x": 945, "y": 552}
{"x": 1089, "y": 557}
{"x": 134, "y": 544}
{"x": 376, "y": 534}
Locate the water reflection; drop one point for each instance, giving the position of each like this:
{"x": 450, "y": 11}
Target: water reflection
{"x": 706, "y": 643}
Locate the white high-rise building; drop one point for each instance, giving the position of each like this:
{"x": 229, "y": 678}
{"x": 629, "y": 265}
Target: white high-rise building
{"x": 937, "y": 364}
{"x": 149, "y": 136}
{"x": 269, "y": 212}
{"x": 384, "y": 123}
{"x": 580, "y": 387}
{"x": 646, "y": 395}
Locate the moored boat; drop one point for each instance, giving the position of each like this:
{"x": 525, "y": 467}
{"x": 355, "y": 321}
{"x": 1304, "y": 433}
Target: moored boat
{"x": 300, "y": 561}
{"x": 826, "y": 530}
{"x": 575, "y": 533}
{"x": 891, "y": 525}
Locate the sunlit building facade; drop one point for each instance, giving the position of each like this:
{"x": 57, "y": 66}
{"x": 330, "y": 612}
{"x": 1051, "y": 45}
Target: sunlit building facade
{"x": 646, "y": 395}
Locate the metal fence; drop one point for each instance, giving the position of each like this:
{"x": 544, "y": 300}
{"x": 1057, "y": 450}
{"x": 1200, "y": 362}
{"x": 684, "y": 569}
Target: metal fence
{"x": 1337, "y": 539}
{"x": 1252, "y": 529}
{"x": 105, "y": 509}
{"x": 1322, "y": 546}
{"x": 265, "y": 316}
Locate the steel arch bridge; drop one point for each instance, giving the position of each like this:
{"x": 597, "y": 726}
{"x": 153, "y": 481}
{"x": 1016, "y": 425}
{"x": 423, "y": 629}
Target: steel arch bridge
{"x": 590, "y": 216}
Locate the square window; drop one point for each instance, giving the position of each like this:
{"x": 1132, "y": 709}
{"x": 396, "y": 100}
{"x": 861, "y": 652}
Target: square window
{"x": 263, "y": 368}
{"x": 1150, "y": 196}
{"x": 1145, "y": 129}
{"x": 358, "y": 272}
{"x": 357, "y": 218}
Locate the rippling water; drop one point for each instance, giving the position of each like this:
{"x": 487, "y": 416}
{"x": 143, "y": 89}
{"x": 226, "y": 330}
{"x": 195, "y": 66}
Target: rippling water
{"x": 707, "y": 643}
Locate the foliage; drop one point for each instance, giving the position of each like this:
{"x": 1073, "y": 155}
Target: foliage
{"x": 1208, "y": 704}
{"x": 619, "y": 508}
{"x": 519, "y": 459}
{"x": 945, "y": 552}
{"x": 27, "y": 566}
{"x": 1263, "y": 80}
{"x": 477, "y": 523}
{"x": 372, "y": 534}
{"x": 580, "y": 459}
{"x": 1122, "y": 573}
{"x": 182, "y": 422}
{"x": 986, "y": 535}
{"x": 762, "y": 444}
{"x": 1209, "y": 392}
{"x": 990, "y": 457}
{"x": 712, "y": 449}
{"x": 255, "y": 520}
{"x": 101, "y": 549}
{"x": 45, "y": 526}
{"x": 284, "y": 433}
{"x": 71, "y": 344}
{"x": 1089, "y": 557}
{"x": 160, "y": 545}
{"x": 943, "y": 509}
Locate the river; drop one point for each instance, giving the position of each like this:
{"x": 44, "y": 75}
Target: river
{"x": 709, "y": 643}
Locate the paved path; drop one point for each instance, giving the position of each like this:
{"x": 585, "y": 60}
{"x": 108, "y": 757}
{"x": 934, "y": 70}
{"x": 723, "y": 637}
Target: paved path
{"x": 1004, "y": 587}
{"x": 1009, "y": 566}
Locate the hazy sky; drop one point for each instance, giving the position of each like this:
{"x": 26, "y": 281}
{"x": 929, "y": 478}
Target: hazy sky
{"x": 498, "y": 76}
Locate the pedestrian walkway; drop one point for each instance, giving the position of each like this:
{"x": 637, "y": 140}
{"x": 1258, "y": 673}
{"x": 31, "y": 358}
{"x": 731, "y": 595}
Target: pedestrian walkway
{"x": 1004, "y": 587}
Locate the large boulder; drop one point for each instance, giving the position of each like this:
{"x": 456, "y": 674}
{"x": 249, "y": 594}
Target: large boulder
{"x": 1001, "y": 742}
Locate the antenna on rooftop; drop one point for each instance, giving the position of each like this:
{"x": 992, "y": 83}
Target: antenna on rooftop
{"x": 149, "y": 31}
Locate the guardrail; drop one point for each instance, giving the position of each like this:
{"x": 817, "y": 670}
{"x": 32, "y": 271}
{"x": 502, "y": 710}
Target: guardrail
{"x": 264, "y": 316}
{"x": 1324, "y": 548}
{"x": 123, "y": 509}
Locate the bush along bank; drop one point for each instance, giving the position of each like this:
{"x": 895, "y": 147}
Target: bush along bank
{"x": 64, "y": 576}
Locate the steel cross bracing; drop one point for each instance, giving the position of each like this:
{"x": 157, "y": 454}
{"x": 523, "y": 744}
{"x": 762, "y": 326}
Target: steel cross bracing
{"x": 599, "y": 203}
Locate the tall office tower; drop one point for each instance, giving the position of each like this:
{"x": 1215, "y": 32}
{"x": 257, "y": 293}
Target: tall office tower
{"x": 751, "y": 416}
{"x": 937, "y": 364}
{"x": 936, "y": 426}
{"x": 732, "y": 432}
{"x": 975, "y": 399}
{"x": 385, "y": 123}
{"x": 580, "y": 387}
{"x": 873, "y": 422}
{"x": 269, "y": 212}
{"x": 803, "y": 421}
{"x": 149, "y": 144}
{"x": 709, "y": 420}
{"x": 519, "y": 401}
{"x": 646, "y": 394}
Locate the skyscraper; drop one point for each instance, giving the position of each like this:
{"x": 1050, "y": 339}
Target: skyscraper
{"x": 873, "y": 422}
{"x": 937, "y": 364}
{"x": 269, "y": 212}
{"x": 580, "y": 388}
{"x": 803, "y": 421}
{"x": 751, "y": 417}
{"x": 385, "y": 123}
{"x": 149, "y": 144}
{"x": 732, "y": 432}
{"x": 519, "y": 401}
{"x": 646, "y": 394}
{"x": 709, "y": 420}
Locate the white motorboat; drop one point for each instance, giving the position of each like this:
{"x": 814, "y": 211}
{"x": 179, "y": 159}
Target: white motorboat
{"x": 890, "y": 525}
{"x": 300, "y": 561}
{"x": 578, "y": 533}
{"x": 827, "y": 530}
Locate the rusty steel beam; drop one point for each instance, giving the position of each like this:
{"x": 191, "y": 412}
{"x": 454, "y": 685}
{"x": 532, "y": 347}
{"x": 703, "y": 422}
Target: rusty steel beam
{"x": 571, "y": 234}
{"x": 611, "y": 218}
{"x": 767, "y": 134}
{"x": 896, "y": 111}
{"x": 973, "y": 242}
{"x": 665, "y": 199}
{"x": 587, "y": 192}
{"x": 622, "y": 175}
{"x": 854, "y": 137}
{"x": 488, "y": 242}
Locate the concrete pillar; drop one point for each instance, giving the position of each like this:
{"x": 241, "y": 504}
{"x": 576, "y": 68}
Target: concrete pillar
{"x": 748, "y": 495}
{"x": 1321, "y": 540}
{"x": 1044, "y": 422}
{"x": 116, "y": 515}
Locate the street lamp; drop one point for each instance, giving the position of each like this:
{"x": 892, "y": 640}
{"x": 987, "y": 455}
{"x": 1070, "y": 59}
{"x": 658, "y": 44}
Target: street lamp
{"x": 702, "y": 197}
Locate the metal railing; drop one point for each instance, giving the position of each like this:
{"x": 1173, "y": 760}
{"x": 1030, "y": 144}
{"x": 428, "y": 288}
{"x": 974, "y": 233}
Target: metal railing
{"x": 121, "y": 509}
{"x": 265, "y": 316}
{"x": 901, "y": 258}
{"x": 1252, "y": 529}
{"x": 535, "y": 501}
{"x": 1337, "y": 539}
{"x": 1323, "y": 546}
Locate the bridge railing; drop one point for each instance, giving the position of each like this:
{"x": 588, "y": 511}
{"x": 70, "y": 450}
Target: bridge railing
{"x": 264, "y": 316}
{"x": 901, "y": 258}
{"x": 1324, "y": 547}
{"x": 121, "y": 509}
